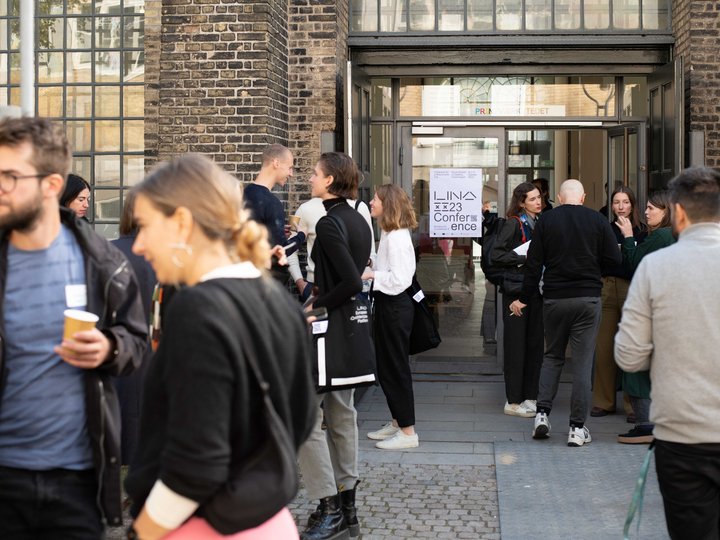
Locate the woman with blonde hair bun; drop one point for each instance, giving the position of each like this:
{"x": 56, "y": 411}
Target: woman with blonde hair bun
{"x": 204, "y": 415}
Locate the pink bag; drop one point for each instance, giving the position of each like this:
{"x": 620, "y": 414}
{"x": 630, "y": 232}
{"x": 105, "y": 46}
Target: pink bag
{"x": 281, "y": 525}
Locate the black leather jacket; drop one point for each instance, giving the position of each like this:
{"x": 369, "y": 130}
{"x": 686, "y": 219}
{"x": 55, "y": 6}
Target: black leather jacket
{"x": 113, "y": 295}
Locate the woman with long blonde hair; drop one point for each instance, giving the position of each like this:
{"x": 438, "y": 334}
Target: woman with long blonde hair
{"x": 392, "y": 274}
{"x": 204, "y": 414}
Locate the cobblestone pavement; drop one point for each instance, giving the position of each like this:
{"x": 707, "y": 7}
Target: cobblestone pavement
{"x": 422, "y": 501}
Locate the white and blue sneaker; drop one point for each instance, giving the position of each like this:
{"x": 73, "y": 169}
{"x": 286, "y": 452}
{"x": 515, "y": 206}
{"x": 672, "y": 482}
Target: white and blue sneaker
{"x": 542, "y": 426}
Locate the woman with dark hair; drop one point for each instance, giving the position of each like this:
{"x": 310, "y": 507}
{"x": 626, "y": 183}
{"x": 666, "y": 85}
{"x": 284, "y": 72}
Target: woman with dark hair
{"x": 394, "y": 313}
{"x": 328, "y": 459}
{"x": 76, "y": 196}
{"x": 523, "y": 335}
{"x": 637, "y": 385}
{"x": 616, "y": 281}
{"x": 206, "y": 412}
{"x": 544, "y": 187}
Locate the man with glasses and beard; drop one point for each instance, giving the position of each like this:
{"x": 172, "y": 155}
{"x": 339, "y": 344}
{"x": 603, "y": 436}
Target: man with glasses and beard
{"x": 59, "y": 420}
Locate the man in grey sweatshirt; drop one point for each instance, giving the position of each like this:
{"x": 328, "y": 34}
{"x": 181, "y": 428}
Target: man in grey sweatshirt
{"x": 671, "y": 326}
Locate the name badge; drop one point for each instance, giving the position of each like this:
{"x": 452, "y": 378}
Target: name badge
{"x": 76, "y": 296}
{"x": 319, "y": 327}
{"x": 418, "y": 296}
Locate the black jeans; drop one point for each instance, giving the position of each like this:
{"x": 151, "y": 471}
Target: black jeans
{"x": 523, "y": 346}
{"x": 49, "y": 505}
{"x": 393, "y": 324}
{"x": 689, "y": 478}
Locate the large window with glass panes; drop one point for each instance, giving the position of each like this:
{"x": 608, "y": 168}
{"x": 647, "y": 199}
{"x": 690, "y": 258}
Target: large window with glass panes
{"x": 501, "y": 16}
{"x": 89, "y": 70}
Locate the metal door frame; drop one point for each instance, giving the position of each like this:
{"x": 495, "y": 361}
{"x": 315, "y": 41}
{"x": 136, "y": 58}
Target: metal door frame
{"x": 624, "y": 130}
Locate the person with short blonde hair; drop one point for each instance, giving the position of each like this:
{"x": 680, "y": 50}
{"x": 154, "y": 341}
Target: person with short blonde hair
{"x": 267, "y": 209}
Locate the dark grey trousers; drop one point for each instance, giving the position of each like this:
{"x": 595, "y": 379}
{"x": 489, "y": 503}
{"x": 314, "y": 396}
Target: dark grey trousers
{"x": 573, "y": 321}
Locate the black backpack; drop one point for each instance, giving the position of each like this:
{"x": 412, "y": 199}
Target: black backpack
{"x": 494, "y": 274}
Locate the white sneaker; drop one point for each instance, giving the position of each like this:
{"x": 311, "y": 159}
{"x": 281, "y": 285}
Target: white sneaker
{"x": 399, "y": 441}
{"x": 542, "y": 426}
{"x": 388, "y": 430}
{"x": 579, "y": 436}
{"x": 518, "y": 409}
{"x": 530, "y": 404}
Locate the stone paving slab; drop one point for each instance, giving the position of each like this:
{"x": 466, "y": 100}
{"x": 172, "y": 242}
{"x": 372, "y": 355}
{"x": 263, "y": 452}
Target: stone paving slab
{"x": 547, "y": 489}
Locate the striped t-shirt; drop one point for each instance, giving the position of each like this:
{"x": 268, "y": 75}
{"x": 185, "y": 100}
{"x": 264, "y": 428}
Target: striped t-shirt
{"x": 42, "y": 412}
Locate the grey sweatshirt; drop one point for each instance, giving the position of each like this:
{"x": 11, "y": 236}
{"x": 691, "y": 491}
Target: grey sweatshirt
{"x": 671, "y": 326}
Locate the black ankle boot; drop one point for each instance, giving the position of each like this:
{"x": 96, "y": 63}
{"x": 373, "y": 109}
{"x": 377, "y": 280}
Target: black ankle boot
{"x": 347, "y": 501}
{"x": 315, "y": 516}
{"x": 330, "y": 524}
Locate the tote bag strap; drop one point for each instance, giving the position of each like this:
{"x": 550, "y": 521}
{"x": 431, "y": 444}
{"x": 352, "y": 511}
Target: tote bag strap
{"x": 247, "y": 344}
{"x": 636, "y": 504}
{"x": 341, "y": 227}
{"x": 522, "y": 228}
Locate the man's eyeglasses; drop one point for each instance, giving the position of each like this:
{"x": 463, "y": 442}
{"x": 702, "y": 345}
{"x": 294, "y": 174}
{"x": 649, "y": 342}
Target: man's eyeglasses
{"x": 8, "y": 180}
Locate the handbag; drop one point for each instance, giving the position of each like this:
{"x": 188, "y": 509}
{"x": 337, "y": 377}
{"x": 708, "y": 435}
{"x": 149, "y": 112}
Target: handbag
{"x": 424, "y": 334}
{"x": 344, "y": 348}
{"x": 262, "y": 484}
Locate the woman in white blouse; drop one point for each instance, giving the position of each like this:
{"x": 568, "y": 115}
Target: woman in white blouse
{"x": 392, "y": 274}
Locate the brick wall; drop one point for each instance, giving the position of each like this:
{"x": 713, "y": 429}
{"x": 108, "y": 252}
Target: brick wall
{"x": 318, "y": 54}
{"x": 228, "y": 78}
{"x": 696, "y": 26}
{"x": 216, "y": 80}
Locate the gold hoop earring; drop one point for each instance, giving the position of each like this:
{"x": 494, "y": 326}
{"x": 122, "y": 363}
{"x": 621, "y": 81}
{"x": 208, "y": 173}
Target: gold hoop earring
{"x": 182, "y": 246}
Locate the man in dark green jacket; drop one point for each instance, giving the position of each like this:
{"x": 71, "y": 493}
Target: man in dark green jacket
{"x": 59, "y": 419}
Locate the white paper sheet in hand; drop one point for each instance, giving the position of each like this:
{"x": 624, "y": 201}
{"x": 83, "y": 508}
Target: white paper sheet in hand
{"x": 522, "y": 249}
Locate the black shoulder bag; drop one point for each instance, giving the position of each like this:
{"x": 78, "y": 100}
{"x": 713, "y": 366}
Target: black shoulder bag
{"x": 424, "y": 334}
{"x": 267, "y": 480}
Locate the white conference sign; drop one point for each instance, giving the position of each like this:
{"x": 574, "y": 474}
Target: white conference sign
{"x": 456, "y": 202}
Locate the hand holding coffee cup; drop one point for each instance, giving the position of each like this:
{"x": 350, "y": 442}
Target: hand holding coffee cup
{"x": 83, "y": 345}
{"x": 77, "y": 320}
{"x": 294, "y": 222}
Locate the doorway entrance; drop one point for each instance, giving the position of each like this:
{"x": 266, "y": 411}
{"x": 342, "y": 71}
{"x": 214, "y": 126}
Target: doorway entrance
{"x": 448, "y": 268}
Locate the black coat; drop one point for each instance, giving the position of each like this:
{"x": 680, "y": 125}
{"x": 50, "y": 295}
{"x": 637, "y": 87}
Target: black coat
{"x": 339, "y": 262}
{"x": 509, "y": 237}
{"x": 113, "y": 295}
{"x": 202, "y": 406}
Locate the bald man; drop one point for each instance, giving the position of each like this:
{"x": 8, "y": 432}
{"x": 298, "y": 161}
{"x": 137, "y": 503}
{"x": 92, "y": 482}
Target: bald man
{"x": 571, "y": 247}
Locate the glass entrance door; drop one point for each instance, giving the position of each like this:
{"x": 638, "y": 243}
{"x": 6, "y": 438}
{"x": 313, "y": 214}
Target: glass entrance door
{"x": 626, "y": 159}
{"x": 448, "y": 267}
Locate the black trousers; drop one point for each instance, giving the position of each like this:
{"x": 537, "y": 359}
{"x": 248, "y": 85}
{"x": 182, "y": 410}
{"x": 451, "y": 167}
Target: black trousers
{"x": 393, "y": 324}
{"x": 523, "y": 346}
{"x": 55, "y": 505}
{"x": 689, "y": 478}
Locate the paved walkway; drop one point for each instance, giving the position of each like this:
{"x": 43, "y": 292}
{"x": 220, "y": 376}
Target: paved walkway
{"x": 478, "y": 474}
{"x": 448, "y": 487}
